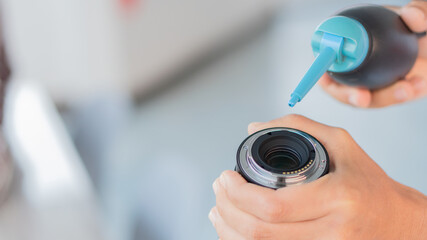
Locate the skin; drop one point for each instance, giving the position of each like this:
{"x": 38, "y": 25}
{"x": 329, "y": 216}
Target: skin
{"x": 414, "y": 86}
{"x": 356, "y": 200}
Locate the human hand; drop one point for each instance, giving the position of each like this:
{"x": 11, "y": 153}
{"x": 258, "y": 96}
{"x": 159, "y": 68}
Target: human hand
{"x": 356, "y": 200}
{"x": 414, "y": 85}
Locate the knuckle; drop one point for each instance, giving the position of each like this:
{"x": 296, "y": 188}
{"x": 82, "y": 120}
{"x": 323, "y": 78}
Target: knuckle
{"x": 348, "y": 231}
{"x": 352, "y": 193}
{"x": 339, "y": 231}
{"x": 259, "y": 231}
{"x": 349, "y": 199}
{"x": 341, "y": 133}
{"x": 422, "y": 5}
{"x": 274, "y": 210}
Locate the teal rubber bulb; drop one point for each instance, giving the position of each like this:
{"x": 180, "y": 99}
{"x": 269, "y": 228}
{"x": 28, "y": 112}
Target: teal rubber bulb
{"x": 366, "y": 46}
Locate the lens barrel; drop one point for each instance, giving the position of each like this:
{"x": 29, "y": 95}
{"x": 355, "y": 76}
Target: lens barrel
{"x": 279, "y": 157}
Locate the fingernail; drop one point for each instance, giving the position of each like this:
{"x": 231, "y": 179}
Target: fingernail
{"x": 412, "y": 11}
{"x": 215, "y": 186}
{"x": 212, "y": 216}
{"x": 419, "y": 84}
{"x": 254, "y": 124}
{"x": 400, "y": 94}
{"x": 223, "y": 180}
{"x": 353, "y": 99}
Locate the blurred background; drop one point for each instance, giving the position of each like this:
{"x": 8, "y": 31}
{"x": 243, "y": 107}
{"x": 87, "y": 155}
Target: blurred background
{"x": 120, "y": 114}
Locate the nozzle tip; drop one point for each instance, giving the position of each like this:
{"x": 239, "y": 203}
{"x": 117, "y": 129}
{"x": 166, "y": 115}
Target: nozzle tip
{"x": 293, "y": 101}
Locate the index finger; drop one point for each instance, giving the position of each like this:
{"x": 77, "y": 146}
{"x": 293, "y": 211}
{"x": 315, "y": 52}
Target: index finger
{"x": 291, "y": 204}
{"x": 355, "y": 96}
{"x": 414, "y": 14}
{"x": 327, "y": 135}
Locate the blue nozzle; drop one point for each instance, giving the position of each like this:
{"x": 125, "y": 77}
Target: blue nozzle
{"x": 329, "y": 53}
{"x": 294, "y": 99}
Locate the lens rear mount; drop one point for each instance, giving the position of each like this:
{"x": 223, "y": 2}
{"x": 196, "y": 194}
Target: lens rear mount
{"x": 279, "y": 157}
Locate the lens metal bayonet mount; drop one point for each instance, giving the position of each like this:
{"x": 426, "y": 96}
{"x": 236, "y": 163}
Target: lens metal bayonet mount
{"x": 279, "y": 157}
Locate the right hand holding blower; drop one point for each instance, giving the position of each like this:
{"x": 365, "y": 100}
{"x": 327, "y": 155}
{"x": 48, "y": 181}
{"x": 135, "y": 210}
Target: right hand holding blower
{"x": 414, "y": 85}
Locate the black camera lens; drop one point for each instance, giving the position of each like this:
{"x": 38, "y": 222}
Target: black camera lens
{"x": 281, "y": 158}
{"x": 278, "y": 157}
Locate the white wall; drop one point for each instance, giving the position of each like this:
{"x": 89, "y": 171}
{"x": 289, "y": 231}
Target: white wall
{"x": 70, "y": 46}
{"x": 80, "y": 48}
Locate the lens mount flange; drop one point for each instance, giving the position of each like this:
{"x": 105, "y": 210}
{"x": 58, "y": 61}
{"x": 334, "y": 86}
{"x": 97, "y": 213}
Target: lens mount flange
{"x": 313, "y": 160}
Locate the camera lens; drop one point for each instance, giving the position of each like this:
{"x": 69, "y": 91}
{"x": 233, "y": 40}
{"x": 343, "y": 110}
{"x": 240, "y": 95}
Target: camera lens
{"x": 279, "y": 157}
{"x": 281, "y": 151}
